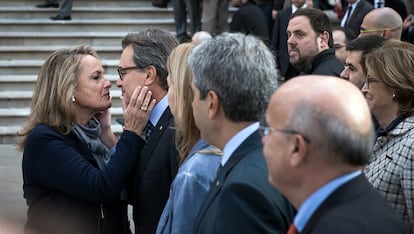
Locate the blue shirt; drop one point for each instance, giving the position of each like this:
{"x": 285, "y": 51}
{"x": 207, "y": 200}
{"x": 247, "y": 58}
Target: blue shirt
{"x": 236, "y": 141}
{"x": 158, "y": 110}
{"x": 309, "y": 207}
{"x": 188, "y": 190}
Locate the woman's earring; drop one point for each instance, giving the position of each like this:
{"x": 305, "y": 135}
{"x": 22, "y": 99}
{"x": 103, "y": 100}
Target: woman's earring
{"x": 73, "y": 98}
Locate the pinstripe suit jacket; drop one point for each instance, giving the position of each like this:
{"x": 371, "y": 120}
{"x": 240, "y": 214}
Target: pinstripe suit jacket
{"x": 391, "y": 169}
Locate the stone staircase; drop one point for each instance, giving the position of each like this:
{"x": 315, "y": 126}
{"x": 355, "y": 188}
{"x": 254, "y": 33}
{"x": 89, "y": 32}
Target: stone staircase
{"x": 27, "y": 37}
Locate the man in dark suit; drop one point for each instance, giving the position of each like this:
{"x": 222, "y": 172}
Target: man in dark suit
{"x": 316, "y": 144}
{"x": 353, "y": 16}
{"x": 143, "y": 63}
{"x": 234, "y": 76}
{"x": 397, "y": 5}
{"x": 249, "y": 19}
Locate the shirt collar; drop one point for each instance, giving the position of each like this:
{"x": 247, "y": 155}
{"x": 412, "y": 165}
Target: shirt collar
{"x": 158, "y": 110}
{"x": 309, "y": 207}
{"x": 236, "y": 141}
{"x": 294, "y": 8}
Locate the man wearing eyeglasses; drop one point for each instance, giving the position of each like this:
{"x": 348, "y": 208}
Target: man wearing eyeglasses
{"x": 143, "y": 63}
{"x": 384, "y": 22}
{"x": 316, "y": 145}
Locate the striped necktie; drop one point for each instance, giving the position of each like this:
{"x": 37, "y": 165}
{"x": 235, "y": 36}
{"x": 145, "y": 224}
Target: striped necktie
{"x": 148, "y": 130}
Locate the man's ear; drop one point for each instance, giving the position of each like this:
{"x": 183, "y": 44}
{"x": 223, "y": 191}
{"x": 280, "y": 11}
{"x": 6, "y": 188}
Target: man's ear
{"x": 213, "y": 103}
{"x": 324, "y": 39}
{"x": 386, "y": 33}
{"x": 298, "y": 150}
{"x": 151, "y": 75}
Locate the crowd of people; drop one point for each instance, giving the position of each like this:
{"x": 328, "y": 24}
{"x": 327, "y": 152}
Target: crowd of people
{"x": 226, "y": 134}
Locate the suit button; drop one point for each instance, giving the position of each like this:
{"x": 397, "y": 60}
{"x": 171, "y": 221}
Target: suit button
{"x": 217, "y": 183}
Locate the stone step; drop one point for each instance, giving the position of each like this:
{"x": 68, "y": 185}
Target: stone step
{"x": 88, "y": 12}
{"x": 89, "y": 3}
{"x": 18, "y": 99}
{"x": 27, "y": 82}
{"x": 84, "y": 25}
{"x": 62, "y": 38}
{"x": 8, "y": 133}
{"x": 18, "y": 116}
{"x": 42, "y": 52}
{"x": 30, "y": 67}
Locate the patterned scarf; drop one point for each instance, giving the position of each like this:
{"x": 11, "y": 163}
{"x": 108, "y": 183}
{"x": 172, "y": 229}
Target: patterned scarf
{"x": 89, "y": 135}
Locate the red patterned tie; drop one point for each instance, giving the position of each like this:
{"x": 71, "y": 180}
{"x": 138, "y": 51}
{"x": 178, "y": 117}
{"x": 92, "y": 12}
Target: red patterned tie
{"x": 292, "y": 229}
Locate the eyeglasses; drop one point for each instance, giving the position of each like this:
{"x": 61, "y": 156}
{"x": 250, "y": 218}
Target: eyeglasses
{"x": 122, "y": 71}
{"x": 337, "y": 46}
{"x": 264, "y": 131}
{"x": 369, "y": 80}
{"x": 362, "y": 30}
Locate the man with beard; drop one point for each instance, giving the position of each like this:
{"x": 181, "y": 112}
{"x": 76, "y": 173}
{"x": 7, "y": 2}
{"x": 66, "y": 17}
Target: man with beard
{"x": 310, "y": 44}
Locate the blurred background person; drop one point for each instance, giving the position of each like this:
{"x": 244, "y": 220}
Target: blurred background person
{"x": 354, "y": 13}
{"x": 316, "y": 146}
{"x": 73, "y": 177}
{"x": 214, "y": 16}
{"x": 388, "y": 90}
{"x": 249, "y": 20}
{"x": 182, "y": 8}
{"x": 397, "y": 5}
{"x": 65, "y": 11}
{"x": 199, "y": 161}
{"x": 383, "y": 22}
{"x": 339, "y": 40}
{"x": 201, "y": 36}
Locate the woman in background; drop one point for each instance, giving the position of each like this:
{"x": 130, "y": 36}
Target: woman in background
{"x": 73, "y": 176}
{"x": 199, "y": 161}
{"x": 389, "y": 91}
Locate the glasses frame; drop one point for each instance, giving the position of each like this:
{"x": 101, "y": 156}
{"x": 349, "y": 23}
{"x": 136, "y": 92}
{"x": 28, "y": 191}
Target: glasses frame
{"x": 120, "y": 70}
{"x": 264, "y": 131}
{"x": 377, "y": 29}
{"x": 370, "y": 80}
{"x": 338, "y": 46}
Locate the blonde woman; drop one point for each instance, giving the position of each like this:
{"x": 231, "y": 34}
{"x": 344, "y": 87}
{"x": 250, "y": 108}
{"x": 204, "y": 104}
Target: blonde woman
{"x": 199, "y": 161}
{"x": 73, "y": 175}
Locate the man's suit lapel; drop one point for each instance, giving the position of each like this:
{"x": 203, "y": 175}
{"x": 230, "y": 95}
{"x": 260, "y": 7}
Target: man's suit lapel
{"x": 146, "y": 152}
{"x": 251, "y": 143}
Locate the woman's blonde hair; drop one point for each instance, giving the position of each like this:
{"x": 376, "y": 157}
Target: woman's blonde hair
{"x": 187, "y": 133}
{"x": 52, "y": 97}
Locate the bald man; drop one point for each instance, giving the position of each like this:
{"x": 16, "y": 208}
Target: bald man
{"x": 383, "y": 22}
{"x": 316, "y": 144}
{"x": 201, "y": 36}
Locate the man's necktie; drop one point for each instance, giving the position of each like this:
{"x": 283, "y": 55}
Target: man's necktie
{"x": 292, "y": 229}
{"x": 148, "y": 130}
{"x": 348, "y": 15}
